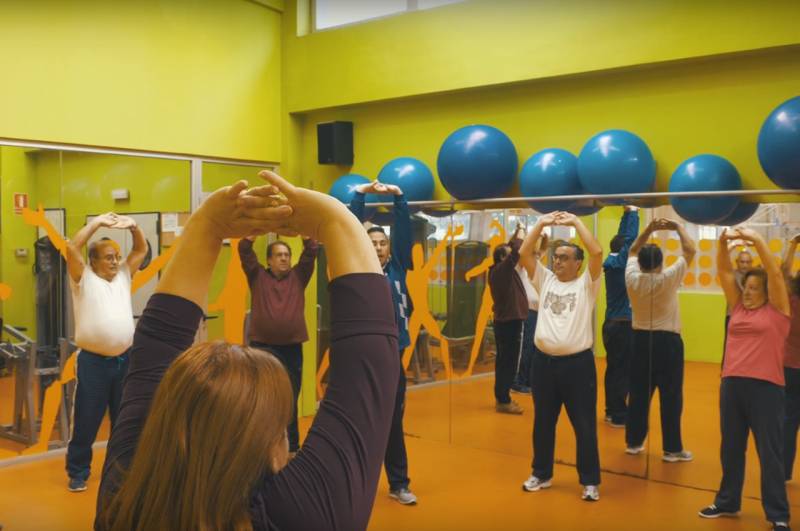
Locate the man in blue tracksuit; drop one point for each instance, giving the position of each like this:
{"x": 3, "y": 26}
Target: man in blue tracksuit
{"x": 617, "y": 331}
{"x": 395, "y": 258}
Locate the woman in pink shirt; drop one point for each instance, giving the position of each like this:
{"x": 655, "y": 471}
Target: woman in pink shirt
{"x": 752, "y": 388}
{"x": 791, "y": 362}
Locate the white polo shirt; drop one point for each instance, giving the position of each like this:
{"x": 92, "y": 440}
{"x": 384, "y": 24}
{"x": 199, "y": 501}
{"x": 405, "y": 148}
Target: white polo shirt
{"x": 564, "y": 325}
{"x": 103, "y": 312}
{"x": 654, "y": 296}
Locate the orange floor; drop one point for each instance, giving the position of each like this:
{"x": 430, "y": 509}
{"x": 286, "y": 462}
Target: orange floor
{"x": 467, "y": 473}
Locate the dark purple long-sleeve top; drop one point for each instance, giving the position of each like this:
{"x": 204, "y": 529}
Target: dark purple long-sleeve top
{"x": 331, "y": 483}
{"x": 278, "y": 304}
{"x": 508, "y": 293}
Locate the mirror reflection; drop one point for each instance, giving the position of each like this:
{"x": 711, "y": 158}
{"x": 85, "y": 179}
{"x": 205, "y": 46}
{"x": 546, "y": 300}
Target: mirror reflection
{"x": 81, "y": 220}
{"x": 651, "y": 387}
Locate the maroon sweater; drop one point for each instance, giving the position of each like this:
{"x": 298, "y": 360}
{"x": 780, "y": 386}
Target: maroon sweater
{"x": 277, "y": 310}
{"x": 508, "y": 293}
{"x": 331, "y": 483}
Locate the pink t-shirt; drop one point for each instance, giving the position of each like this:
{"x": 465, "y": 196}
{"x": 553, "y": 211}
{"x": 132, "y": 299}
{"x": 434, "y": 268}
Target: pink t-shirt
{"x": 791, "y": 351}
{"x": 755, "y": 343}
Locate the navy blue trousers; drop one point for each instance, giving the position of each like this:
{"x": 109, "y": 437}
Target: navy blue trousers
{"x": 291, "y": 356}
{"x": 750, "y": 405}
{"x": 99, "y": 388}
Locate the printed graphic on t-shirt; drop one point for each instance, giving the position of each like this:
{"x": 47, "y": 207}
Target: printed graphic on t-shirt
{"x": 558, "y": 303}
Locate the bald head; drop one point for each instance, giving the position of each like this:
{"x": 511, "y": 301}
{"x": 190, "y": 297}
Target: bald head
{"x": 744, "y": 262}
{"x": 104, "y": 258}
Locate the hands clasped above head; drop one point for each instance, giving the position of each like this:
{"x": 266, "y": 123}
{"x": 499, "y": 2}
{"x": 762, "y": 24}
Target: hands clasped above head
{"x": 236, "y": 211}
{"x": 739, "y": 233}
{"x": 115, "y": 221}
{"x": 663, "y": 224}
{"x": 559, "y": 218}
{"x": 228, "y": 215}
{"x": 376, "y": 187}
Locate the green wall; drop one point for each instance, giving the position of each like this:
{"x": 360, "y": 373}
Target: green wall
{"x": 17, "y": 175}
{"x": 486, "y": 43}
{"x": 181, "y": 76}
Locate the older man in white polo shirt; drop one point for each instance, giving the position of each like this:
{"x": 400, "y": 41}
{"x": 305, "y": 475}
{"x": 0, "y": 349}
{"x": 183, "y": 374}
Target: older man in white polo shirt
{"x": 563, "y": 364}
{"x": 657, "y": 360}
{"x": 101, "y": 299}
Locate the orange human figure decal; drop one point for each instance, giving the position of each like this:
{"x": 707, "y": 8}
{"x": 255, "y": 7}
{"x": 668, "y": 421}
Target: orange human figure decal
{"x": 5, "y": 291}
{"x": 38, "y": 219}
{"x": 486, "y": 302}
{"x": 417, "y": 282}
{"x": 324, "y": 364}
{"x": 142, "y": 277}
{"x": 232, "y": 300}
{"x": 50, "y": 407}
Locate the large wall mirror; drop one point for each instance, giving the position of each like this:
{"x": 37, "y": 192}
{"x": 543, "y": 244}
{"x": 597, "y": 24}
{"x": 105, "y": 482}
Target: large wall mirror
{"x": 48, "y": 194}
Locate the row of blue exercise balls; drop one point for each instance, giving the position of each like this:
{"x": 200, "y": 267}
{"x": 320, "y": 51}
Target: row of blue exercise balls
{"x": 611, "y": 162}
{"x": 480, "y": 161}
{"x": 408, "y": 173}
{"x": 553, "y": 172}
{"x": 557, "y": 172}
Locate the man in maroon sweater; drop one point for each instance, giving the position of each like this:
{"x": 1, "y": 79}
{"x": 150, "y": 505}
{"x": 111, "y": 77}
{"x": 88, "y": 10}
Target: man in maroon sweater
{"x": 277, "y": 310}
{"x": 510, "y": 312}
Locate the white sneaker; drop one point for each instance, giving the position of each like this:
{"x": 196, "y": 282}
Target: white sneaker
{"x": 532, "y": 484}
{"x": 633, "y": 450}
{"x": 590, "y": 493}
{"x": 403, "y": 496}
{"x": 674, "y": 457}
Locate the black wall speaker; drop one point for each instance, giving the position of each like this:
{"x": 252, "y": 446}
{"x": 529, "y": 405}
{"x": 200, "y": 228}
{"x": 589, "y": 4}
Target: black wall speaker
{"x": 335, "y": 143}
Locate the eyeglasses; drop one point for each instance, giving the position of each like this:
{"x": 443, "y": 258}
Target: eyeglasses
{"x": 112, "y": 258}
{"x": 561, "y": 258}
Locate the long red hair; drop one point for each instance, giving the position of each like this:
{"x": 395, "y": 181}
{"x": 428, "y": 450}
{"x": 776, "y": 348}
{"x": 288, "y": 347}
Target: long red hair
{"x": 217, "y": 424}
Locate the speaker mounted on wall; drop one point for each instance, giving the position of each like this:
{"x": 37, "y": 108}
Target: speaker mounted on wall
{"x": 335, "y": 143}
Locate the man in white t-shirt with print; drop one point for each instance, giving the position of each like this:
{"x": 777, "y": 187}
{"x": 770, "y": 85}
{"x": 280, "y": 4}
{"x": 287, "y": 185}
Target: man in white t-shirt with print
{"x": 563, "y": 364}
{"x": 101, "y": 300}
{"x": 657, "y": 360}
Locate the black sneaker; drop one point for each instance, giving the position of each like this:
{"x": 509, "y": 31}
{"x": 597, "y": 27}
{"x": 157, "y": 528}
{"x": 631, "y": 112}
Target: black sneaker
{"x": 712, "y": 511}
{"x": 77, "y": 485}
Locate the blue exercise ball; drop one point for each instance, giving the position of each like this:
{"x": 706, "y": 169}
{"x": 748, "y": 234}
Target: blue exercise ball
{"x": 585, "y": 208}
{"x": 779, "y": 144}
{"x": 549, "y": 172}
{"x": 740, "y": 214}
{"x": 705, "y": 173}
{"x": 412, "y": 176}
{"x": 616, "y": 162}
{"x": 477, "y": 162}
{"x": 344, "y": 188}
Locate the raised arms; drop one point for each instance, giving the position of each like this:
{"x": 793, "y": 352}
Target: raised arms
{"x": 776, "y": 287}
{"x": 75, "y": 263}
